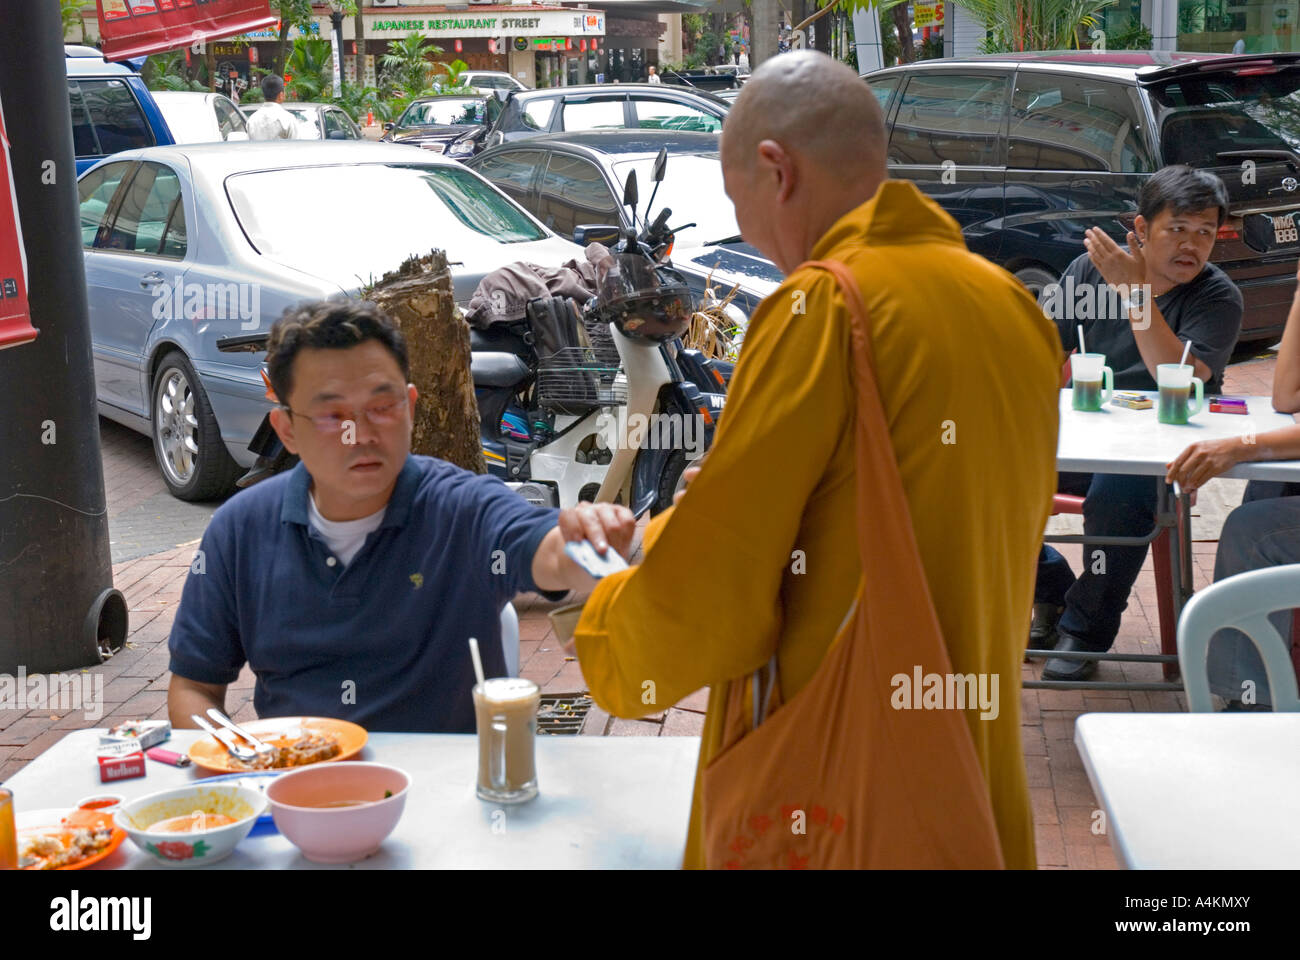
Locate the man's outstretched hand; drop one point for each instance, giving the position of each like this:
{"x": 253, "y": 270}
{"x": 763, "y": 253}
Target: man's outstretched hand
{"x": 606, "y": 525}
{"x": 1118, "y": 267}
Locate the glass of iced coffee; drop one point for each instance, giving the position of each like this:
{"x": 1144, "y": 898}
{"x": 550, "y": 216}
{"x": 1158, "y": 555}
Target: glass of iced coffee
{"x": 506, "y": 712}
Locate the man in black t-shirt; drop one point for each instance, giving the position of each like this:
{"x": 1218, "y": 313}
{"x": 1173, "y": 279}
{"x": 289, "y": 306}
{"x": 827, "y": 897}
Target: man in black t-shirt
{"x": 1138, "y": 307}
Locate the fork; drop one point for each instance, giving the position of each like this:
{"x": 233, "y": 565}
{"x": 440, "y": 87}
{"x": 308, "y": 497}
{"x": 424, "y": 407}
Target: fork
{"x": 239, "y": 752}
{"x": 261, "y": 748}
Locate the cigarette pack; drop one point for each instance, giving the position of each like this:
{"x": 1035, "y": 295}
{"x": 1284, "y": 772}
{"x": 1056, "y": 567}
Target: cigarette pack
{"x": 1227, "y": 405}
{"x": 119, "y": 761}
{"x": 141, "y": 734}
{"x": 1134, "y": 401}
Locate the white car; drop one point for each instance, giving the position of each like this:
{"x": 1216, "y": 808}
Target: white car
{"x": 201, "y": 117}
{"x": 490, "y": 80}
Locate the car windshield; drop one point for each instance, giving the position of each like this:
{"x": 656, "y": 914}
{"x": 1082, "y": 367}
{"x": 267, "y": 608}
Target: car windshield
{"x": 449, "y": 111}
{"x": 692, "y": 188}
{"x": 446, "y": 207}
{"x": 1204, "y": 116}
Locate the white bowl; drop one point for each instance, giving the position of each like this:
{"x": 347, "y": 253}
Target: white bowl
{"x": 200, "y": 847}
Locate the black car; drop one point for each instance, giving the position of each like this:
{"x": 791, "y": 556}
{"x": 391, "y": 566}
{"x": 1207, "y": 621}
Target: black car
{"x": 623, "y": 106}
{"x": 1027, "y": 151}
{"x": 451, "y": 125}
{"x": 576, "y": 179}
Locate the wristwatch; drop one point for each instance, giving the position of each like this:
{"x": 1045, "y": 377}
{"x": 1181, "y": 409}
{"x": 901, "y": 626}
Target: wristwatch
{"x": 1136, "y": 299}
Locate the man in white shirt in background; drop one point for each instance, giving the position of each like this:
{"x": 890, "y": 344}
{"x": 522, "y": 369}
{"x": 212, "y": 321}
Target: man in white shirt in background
{"x": 272, "y": 122}
{"x": 653, "y": 75}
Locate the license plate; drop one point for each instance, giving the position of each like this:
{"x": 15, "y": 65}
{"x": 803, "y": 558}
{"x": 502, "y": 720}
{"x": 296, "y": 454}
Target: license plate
{"x": 1284, "y": 229}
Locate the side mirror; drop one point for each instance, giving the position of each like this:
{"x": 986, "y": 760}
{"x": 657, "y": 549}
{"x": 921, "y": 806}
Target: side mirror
{"x": 337, "y": 135}
{"x": 389, "y": 125}
{"x": 661, "y": 162}
{"x": 629, "y": 190}
{"x": 595, "y": 233}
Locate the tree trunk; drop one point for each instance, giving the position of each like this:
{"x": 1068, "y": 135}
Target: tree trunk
{"x": 822, "y": 34}
{"x": 418, "y": 296}
{"x": 282, "y": 49}
{"x": 904, "y": 28}
{"x": 360, "y": 28}
{"x": 766, "y": 19}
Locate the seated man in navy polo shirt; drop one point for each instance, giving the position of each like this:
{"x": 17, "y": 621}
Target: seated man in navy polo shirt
{"x": 1171, "y": 295}
{"x": 352, "y": 584}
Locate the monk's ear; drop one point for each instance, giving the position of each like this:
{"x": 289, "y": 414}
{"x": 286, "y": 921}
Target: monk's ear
{"x": 775, "y": 161}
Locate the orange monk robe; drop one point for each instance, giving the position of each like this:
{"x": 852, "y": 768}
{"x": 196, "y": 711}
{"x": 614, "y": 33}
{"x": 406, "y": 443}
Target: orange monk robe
{"x": 761, "y": 553}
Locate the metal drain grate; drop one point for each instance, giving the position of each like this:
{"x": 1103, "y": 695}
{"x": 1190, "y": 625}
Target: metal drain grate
{"x": 562, "y": 713}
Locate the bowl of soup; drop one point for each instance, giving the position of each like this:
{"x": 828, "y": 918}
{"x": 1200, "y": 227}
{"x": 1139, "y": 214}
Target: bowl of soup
{"x": 338, "y": 812}
{"x": 191, "y": 826}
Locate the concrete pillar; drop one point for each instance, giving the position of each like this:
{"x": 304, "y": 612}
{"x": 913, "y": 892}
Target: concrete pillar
{"x": 670, "y": 47}
{"x": 866, "y": 39}
{"x": 1163, "y": 22}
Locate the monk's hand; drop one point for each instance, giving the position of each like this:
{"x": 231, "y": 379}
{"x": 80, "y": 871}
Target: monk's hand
{"x": 1203, "y": 461}
{"x": 604, "y": 524}
{"x": 689, "y": 474}
{"x": 1118, "y": 267}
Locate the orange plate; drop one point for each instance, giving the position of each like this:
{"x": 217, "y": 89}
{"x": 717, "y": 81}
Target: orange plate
{"x": 51, "y": 821}
{"x": 211, "y": 755}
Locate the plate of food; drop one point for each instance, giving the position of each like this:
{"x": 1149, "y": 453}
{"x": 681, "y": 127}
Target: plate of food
{"x": 296, "y": 742}
{"x": 65, "y": 839}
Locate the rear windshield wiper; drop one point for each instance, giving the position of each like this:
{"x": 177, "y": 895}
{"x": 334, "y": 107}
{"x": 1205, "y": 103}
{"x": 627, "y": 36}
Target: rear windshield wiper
{"x": 1291, "y": 159}
{"x": 724, "y": 241}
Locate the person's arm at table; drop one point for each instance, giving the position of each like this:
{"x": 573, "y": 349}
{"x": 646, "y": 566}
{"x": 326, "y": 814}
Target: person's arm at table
{"x": 185, "y": 696}
{"x": 206, "y": 651}
{"x": 1286, "y": 375}
{"x": 657, "y": 623}
{"x": 1207, "y": 459}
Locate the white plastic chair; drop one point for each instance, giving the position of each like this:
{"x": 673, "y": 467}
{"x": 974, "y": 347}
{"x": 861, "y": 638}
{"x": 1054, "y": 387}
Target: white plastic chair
{"x": 1242, "y": 602}
{"x": 510, "y": 639}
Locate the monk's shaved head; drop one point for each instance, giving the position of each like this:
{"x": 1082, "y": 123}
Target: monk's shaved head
{"x": 803, "y": 145}
{"x": 812, "y": 105}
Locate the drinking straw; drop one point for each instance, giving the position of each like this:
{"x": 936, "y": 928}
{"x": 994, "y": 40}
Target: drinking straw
{"x": 478, "y": 663}
{"x": 1186, "y": 346}
{"x": 1082, "y": 348}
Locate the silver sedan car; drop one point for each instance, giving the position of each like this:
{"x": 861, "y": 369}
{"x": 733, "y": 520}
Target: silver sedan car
{"x": 187, "y": 245}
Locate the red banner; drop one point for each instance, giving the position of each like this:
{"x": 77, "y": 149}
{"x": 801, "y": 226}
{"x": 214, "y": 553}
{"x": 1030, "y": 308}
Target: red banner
{"x": 133, "y": 28}
{"x": 15, "y": 314}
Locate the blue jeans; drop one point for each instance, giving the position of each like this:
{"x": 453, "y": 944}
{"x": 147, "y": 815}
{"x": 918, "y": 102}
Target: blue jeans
{"x": 1114, "y": 505}
{"x": 1263, "y": 532}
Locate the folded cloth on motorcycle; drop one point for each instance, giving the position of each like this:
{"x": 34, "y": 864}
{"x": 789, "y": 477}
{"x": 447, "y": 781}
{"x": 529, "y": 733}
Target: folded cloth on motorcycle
{"x": 502, "y": 296}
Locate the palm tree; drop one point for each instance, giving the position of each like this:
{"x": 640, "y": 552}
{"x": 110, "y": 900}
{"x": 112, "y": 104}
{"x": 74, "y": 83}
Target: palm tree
{"x": 406, "y": 65}
{"x": 311, "y": 64}
{"x": 1018, "y": 25}
{"x": 70, "y": 11}
{"x": 166, "y": 71}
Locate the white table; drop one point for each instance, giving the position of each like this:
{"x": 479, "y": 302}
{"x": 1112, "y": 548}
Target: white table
{"x": 621, "y": 802}
{"x": 1196, "y": 790}
{"x": 1121, "y": 440}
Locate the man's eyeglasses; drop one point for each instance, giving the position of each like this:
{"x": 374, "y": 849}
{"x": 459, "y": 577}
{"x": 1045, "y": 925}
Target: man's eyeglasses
{"x": 379, "y": 415}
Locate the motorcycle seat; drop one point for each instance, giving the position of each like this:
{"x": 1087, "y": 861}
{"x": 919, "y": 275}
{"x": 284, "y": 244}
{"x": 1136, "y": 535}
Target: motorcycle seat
{"x": 498, "y": 338}
{"x": 497, "y": 369}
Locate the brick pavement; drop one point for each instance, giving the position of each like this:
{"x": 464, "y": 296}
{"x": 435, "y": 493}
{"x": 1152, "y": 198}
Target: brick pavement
{"x": 136, "y": 679}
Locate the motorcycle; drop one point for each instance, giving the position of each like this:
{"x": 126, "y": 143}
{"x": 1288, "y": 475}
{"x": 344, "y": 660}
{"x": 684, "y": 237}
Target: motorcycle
{"x": 601, "y": 402}
{"x": 613, "y": 408}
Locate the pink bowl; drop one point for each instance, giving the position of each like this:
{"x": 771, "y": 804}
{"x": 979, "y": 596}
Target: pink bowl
{"x": 342, "y": 834}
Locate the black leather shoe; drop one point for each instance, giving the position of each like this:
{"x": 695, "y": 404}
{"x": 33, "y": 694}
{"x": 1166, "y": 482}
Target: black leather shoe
{"x": 1072, "y": 670}
{"x": 1042, "y": 629}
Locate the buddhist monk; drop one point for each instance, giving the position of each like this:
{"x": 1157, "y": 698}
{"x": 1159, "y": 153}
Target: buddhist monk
{"x": 761, "y": 551}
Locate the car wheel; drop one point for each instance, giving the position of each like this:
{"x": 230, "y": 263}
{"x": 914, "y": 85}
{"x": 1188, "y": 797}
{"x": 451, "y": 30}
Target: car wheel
{"x": 187, "y": 442}
{"x": 1035, "y": 279}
